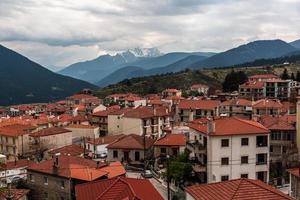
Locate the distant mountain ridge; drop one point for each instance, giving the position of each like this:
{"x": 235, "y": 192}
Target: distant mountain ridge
{"x": 97, "y": 69}
{"x": 261, "y": 49}
{"x": 295, "y": 44}
{"x": 24, "y": 81}
{"x": 246, "y": 53}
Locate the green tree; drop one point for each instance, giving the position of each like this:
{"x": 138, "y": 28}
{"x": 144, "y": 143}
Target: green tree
{"x": 298, "y": 76}
{"x": 285, "y": 74}
{"x": 293, "y": 76}
{"x": 179, "y": 168}
{"x": 233, "y": 80}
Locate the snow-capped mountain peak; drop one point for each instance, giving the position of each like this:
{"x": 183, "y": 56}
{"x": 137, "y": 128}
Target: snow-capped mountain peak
{"x": 145, "y": 52}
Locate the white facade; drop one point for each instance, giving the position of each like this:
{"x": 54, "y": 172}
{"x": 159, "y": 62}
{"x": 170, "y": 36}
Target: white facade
{"x": 234, "y": 152}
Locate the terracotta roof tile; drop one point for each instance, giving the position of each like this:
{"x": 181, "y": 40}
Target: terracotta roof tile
{"x": 16, "y": 194}
{"x": 16, "y": 164}
{"x": 253, "y": 84}
{"x": 171, "y": 140}
{"x": 143, "y": 112}
{"x": 230, "y": 126}
{"x": 71, "y": 167}
{"x": 16, "y": 130}
{"x": 118, "y": 189}
{"x": 198, "y": 104}
{"x": 73, "y": 150}
{"x": 237, "y": 102}
{"x": 49, "y": 131}
{"x": 131, "y": 141}
{"x": 267, "y": 103}
{"x": 240, "y": 189}
{"x": 105, "y": 139}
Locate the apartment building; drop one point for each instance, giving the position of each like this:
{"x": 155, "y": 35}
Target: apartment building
{"x": 200, "y": 88}
{"x": 142, "y": 120}
{"x": 100, "y": 119}
{"x": 80, "y": 130}
{"x": 229, "y": 148}
{"x": 50, "y": 138}
{"x": 171, "y": 92}
{"x": 236, "y": 107}
{"x": 270, "y": 107}
{"x": 188, "y": 110}
{"x": 14, "y": 140}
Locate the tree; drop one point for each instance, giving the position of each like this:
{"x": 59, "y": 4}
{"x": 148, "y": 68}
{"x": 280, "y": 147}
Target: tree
{"x": 285, "y": 74}
{"x": 233, "y": 80}
{"x": 293, "y": 76}
{"x": 298, "y": 76}
{"x": 179, "y": 168}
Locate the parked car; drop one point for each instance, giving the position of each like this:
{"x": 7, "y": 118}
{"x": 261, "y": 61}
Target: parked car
{"x": 147, "y": 174}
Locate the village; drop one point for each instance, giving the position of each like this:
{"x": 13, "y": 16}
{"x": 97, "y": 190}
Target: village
{"x": 158, "y": 146}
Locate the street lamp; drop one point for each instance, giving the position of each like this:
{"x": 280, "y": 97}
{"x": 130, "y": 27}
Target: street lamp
{"x": 168, "y": 177}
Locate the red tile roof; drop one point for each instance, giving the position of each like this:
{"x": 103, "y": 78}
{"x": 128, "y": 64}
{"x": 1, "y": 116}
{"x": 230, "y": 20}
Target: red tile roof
{"x": 83, "y": 126}
{"x": 49, "y": 131}
{"x": 15, "y": 130}
{"x": 171, "y": 140}
{"x": 118, "y": 189}
{"x": 131, "y": 141}
{"x": 103, "y": 113}
{"x": 230, "y": 126}
{"x": 73, "y": 150}
{"x": 196, "y": 86}
{"x": 237, "y": 102}
{"x": 285, "y": 122}
{"x": 198, "y": 104}
{"x": 105, "y": 139}
{"x": 16, "y": 164}
{"x": 239, "y": 189}
{"x": 114, "y": 169}
{"x": 71, "y": 167}
{"x": 267, "y": 103}
{"x": 16, "y": 194}
{"x": 171, "y": 90}
{"x": 253, "y": 84}
{"x": 81, "y": 96}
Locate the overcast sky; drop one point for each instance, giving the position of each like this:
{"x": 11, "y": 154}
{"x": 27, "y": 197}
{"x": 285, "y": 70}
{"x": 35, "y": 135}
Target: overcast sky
{"x": 61, "y": 32}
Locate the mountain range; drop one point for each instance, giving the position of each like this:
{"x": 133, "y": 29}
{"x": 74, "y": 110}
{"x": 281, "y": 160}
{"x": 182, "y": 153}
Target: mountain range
{"x": 97, "y": 69}
{"x": 263, "y": 49}
{"x": 24, "y": 81}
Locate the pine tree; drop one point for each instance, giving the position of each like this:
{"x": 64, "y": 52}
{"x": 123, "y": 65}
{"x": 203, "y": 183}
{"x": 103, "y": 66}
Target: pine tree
{"x": 298, "y": 76}
{"x": 285, "y": 75}
{"x": 233, "y": 80}
{"x": 293, "y": 76}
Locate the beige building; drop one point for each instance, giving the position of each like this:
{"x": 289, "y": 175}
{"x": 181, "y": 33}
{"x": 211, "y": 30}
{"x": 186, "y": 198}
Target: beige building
{"x": 188, "y": 110}
{"x": 14, "y": 140}
{"x": 232, "y": 148}
{"x": 142, "y": 120}
{"x": 80, "y": 130}
{"x": 50, "y": 138}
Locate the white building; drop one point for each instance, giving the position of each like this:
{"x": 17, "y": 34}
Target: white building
{"x": 229, "y": 148}
{"x": 13, "y": 171}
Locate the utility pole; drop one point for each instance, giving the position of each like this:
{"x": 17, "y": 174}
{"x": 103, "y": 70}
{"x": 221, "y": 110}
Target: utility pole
{"x": 168, "y": 178}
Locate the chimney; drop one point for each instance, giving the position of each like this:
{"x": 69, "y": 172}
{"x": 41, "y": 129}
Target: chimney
{"x": 211, "y": 126}
{"x": 98, "y": 165}
{"x": 154, "y": 111}
{"x": 298, "y": 123}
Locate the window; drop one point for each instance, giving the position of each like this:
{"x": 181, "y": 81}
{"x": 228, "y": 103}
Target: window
{"x": 244, "y": 175}
{"x": 31, "y": 178}
{"x": 261, "y": 159}
{"x": 45, "y": 195}
{"x": 163, "y": 150}
{"x": 62, "y": 184}
{"x": 244, "y": 160}
{"x": 261, "y": 141}
{"x": 45, "y": 180}
{"x": 244, "y": 141}
{"x": 115, "y": 154}
{"x": 137, "y": 156}
{"x": 225, "y": 142}
{"x": 225, "y": 178}
{"x": 225, "y": 161}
